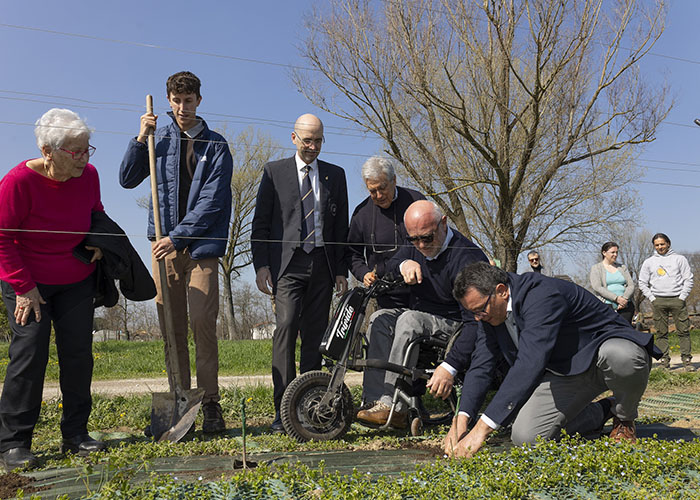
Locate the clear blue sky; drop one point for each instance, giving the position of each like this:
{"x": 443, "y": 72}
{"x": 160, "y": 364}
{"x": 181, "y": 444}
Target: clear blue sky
{"x": 114, "y": 78}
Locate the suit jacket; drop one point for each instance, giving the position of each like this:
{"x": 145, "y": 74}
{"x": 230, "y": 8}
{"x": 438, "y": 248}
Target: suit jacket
{"x": 560, "y": 328}
{"x": 276, "y": 229}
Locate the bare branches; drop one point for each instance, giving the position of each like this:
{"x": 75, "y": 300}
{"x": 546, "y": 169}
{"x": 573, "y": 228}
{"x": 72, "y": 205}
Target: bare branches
{"x": 508, "y": 113}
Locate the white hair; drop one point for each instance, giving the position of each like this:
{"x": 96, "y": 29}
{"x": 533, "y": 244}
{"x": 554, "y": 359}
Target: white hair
{"x": 376, "y": 167}
{"x": 57, "y": 126}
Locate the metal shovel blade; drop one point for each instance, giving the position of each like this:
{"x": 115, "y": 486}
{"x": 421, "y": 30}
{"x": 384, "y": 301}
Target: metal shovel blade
{"x": 173, "y": 413}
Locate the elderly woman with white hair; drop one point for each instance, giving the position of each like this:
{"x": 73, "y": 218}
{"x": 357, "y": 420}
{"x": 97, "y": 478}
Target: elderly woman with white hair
{"x": 46, "y": 209}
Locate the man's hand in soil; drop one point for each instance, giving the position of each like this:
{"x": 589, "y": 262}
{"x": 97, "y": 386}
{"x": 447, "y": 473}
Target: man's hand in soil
{"x": 472, "y": 442}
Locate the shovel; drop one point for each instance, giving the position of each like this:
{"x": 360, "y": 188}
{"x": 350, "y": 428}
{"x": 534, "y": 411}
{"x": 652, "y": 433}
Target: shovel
{"x": 172, "y": 413}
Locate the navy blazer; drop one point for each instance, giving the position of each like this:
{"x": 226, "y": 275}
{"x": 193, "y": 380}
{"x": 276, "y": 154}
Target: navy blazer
{"x": 276, "y": 228}
{"x": 560, "y": 328}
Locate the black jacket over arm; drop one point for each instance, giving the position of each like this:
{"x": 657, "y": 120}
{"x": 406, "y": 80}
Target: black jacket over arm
{"x": 120, "y": 261}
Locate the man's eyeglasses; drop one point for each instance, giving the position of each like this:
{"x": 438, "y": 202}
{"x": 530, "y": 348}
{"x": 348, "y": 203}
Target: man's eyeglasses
{"x": 425, "y": 238}
{"x": 534, "y": 259}
{"x": 482, "y": 311}
{"x": 308, "y": 142}
{"x": 79, "y": 155}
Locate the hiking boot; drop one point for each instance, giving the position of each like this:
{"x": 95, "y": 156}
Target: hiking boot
{"x": 623, "y": 430}
{"x": 379, "y": 413}
{"x": 688, "y": 367}
{"x": 666, "y": 364}
{"x": 213, "y": 418}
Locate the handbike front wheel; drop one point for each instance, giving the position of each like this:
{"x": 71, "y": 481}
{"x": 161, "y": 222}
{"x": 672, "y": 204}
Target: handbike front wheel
{"x": 302, "y": 417}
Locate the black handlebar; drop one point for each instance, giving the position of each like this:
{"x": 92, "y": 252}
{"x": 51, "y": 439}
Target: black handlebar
{"x": 385, "y": 284}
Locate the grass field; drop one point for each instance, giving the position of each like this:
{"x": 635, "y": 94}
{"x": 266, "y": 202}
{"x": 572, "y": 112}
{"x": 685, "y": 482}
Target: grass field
{"x": 118, "y": 359}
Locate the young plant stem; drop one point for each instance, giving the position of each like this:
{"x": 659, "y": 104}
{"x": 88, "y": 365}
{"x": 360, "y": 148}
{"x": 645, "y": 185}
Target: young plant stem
{"x": 243, "y": 425}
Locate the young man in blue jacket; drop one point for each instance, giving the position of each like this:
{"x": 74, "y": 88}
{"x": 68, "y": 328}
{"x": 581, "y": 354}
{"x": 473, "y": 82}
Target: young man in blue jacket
{"x": 194, "y": 167}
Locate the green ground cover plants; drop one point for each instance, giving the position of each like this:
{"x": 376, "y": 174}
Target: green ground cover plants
{"x": 573, "y": 468}
{"x": 569, "y": 469}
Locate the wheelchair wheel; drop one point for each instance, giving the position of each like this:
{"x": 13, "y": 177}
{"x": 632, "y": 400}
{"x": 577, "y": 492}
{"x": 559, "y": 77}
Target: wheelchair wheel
{"x": 416, "y": 427}
{"x": 300, "y": 413}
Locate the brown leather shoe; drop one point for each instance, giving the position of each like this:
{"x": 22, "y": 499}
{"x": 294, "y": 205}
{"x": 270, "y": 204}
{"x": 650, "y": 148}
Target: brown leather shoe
{"x": 378, "y": 415}
{"x": 623, "y": 430}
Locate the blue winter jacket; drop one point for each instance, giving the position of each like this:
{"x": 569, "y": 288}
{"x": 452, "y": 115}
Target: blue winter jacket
{"x": 204, "y": 228}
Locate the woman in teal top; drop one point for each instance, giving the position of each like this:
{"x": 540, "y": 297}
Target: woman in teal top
{"x": 612, "y": 283}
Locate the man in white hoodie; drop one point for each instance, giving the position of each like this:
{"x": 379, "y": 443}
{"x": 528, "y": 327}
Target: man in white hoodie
{"x": 666, "y": 280}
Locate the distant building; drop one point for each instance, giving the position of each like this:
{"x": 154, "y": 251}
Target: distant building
{"x": 102, "y": 335}
{"x": 263, "y": 331}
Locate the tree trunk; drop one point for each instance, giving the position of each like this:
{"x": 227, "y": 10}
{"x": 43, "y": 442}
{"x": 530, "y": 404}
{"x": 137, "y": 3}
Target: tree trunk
{"x": 231, "y": 326}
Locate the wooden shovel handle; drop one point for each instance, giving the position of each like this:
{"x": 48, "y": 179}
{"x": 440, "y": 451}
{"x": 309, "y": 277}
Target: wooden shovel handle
{"x": 154, "y": 180}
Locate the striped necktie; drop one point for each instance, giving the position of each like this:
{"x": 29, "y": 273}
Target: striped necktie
{"x": 308, "y": 237}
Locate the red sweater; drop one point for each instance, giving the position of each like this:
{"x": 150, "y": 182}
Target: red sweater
{"x": 30, "y": 201}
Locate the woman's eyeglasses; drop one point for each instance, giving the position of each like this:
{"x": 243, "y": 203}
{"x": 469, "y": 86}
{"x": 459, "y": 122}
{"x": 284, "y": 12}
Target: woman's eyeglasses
{"x": 79, "y": 155}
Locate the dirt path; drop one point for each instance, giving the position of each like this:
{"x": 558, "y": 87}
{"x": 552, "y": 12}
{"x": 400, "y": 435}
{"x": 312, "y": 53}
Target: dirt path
{"x": 160, "y": 384}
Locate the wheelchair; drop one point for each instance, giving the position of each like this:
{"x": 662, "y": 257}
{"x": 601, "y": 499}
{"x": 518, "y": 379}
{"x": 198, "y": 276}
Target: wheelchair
{"x": 318, "y": 405}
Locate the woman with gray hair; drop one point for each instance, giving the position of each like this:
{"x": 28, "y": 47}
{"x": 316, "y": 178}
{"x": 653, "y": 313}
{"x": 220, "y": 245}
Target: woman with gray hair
{"x": 46, "y": 211}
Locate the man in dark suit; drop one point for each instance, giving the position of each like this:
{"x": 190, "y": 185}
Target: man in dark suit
{"x": 564, "y": 347}
{"x": 299, "y": 227}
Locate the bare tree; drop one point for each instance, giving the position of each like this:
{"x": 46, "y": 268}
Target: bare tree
{"x": 518, "y": 117}
{"x": 253, "y": 310}
{"x": 117, "y": 317}
{"x": 635, "y": 247}
{"x": 250, "y": 152}
{"x": 693, "y": 300}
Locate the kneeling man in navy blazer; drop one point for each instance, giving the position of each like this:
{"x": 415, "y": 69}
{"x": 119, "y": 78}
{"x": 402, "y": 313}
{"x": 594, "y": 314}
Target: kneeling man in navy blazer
{"x": 564, "y": 348}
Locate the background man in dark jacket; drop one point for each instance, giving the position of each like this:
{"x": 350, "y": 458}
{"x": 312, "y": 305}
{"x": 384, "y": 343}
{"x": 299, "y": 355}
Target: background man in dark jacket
{"x": 194, "y": 167}
{"x": 377, "y": 230}
{"x": 298, "y": 239}
{"x": 564, "y": 348}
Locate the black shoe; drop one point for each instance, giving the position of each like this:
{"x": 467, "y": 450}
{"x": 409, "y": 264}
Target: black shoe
{"x": 606, "y": 405}
{"x": 277, "y": 427}
{"x": 82, "y": 444}
{"x": 17, "y": 457}
{"x": 213, "y": 418}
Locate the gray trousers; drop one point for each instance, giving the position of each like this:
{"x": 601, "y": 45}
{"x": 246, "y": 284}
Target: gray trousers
{"x": 565, "y": 402}
{"x": 390, "y": 331}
